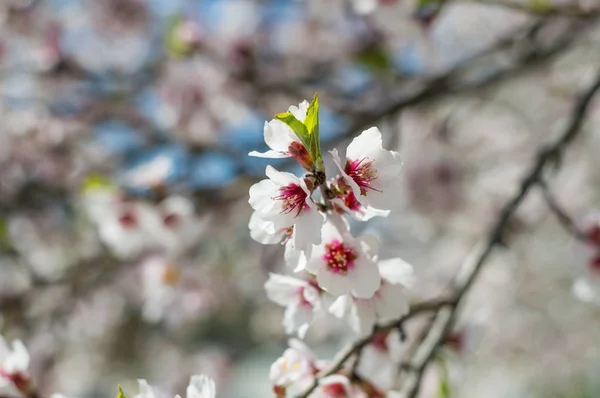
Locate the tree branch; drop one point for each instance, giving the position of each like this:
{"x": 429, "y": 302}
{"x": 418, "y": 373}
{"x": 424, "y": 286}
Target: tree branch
{"x": 356, "y": 347}
{"x": 473, "y": 264}
{"x": 565, "y": 220}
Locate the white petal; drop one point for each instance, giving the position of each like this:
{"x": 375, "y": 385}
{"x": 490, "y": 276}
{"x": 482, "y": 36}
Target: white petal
{"x": 297, "y": 318}
{"x": 367, "y": 145}
{"x": 281, "y": 178}
{"x": 261, "y": 196}
{"x": 369, "y": 244}
{"x": 307, "y": 230}
{"x": 270, "y": 154}
{"x": 340, "y": 307}
{"x": 299, "y": 112}
{"x": 278, "y": 135}
{"x": 362, "y": 317}
{"x": 284, "y": 290}
{"x": 391, "y": 302}
{"x": 335, "y": 284}
{"x": 295, "y": 259}
{"x": 262, "y": 231}
{"x": 397, "y": 271}
{"x": 145, "y": 390}
{"x": 367, "y": 278}
{"x": 18, "y": 359}
{"x": 201, "y": 386}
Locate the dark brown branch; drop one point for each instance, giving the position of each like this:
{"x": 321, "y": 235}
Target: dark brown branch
{"x": 473, "y": 264}
{"x": 356, "y": 347}
{"x": 565, "y": 220}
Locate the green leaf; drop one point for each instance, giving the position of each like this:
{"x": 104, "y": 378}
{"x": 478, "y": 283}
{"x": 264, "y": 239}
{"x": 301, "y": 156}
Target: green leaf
{"x": 94, "y": 182}
{"x": 444, "y": 388}
{"x": 176, "y": 47}
{"x": 296, "y": 125}
{"x": 312, "y": 126}
{"x": 121, "y": 394}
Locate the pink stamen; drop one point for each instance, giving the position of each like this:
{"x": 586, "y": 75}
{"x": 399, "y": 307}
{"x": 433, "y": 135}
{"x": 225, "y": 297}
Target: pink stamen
{"x": 339, "y": 258}
{"x": 362, "y": 172}
{"x": 293, "y": 197}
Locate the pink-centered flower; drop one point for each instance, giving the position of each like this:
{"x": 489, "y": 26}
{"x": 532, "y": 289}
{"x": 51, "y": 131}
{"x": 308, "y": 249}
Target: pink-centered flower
{"x": 370, "y": 171}
{"x": 301, "y": 299}
{"x": 295, "y": 368}
{"x": 14, "y": 362}
{"x": 344, "y": 264}
{"x": 284, "y": 202}
{"x": 280, "y": 137}
{"x": 389, "y": 302}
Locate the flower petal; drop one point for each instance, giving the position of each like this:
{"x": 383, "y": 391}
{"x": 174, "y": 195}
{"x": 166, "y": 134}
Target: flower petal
{"x": 367, "y": 278}
{"x": 397, "y": 271}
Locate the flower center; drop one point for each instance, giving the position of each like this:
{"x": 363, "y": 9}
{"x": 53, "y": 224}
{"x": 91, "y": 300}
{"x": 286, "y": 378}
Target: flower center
{"x": 293, "y": 197}
{"x": 362, "y": 172}
{"x": 339, "y": 258}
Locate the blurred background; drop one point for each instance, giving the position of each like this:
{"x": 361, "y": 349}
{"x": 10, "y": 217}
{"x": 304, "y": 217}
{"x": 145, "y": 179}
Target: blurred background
{"x": 124, "y": 132}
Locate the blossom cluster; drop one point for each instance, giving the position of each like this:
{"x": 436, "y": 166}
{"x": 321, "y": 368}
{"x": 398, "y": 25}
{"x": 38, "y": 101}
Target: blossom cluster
{"x": 15, "y": 379}
{"x": 334, "y": 272}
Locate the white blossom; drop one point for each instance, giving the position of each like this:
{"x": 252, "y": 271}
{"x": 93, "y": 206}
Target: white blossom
{"x": 344, "y": 264}
{"x": 294, "y": 368}
{"x": 14, "y": 362}
{"x": 388, "y": 303}
{"x": 284, "y": 200}
{"x": 279, "y": 136}
{"x": 301, "y": 299}
{"x": 371, "y": 171}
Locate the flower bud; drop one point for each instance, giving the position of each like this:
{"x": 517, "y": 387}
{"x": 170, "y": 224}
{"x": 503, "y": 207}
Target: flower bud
{"x": 301, "y": 154}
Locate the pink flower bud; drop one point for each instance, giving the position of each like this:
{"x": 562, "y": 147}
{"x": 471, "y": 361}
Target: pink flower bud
{"x": 300, "y": 153}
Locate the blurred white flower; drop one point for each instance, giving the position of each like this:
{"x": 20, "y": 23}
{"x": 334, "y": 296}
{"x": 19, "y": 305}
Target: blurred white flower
{"x": 14, "y": 363}
{"x": 301, "y": 299}
{"x": 294, "y": 368}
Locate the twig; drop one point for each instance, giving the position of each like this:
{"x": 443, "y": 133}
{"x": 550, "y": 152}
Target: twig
{"x": 473, "y": 264}
{"x": 548, "y": 10}
{"x": 565, "y": 220}
{"x": 356, "y": 347}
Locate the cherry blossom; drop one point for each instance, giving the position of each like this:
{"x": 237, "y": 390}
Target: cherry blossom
{"x": 389, "y": 302}
{"x": 370, "y": 171}
{"x": 344, "y": 264}
{"x": 14, "y": 362}
{"x": 284, "y": 200}
{"x": 300, "y": 297}
{"x": 295, "y": 368}
{"x": 281, "y": 139}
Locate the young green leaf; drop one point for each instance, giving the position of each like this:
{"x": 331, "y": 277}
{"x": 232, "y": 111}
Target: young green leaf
{"x": 296, "y": 125}
{"x": 120, "y": 394}
{"x": 312, "y": 126}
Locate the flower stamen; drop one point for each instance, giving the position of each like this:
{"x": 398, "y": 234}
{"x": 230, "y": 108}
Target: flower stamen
{"x": 339, "y": 258}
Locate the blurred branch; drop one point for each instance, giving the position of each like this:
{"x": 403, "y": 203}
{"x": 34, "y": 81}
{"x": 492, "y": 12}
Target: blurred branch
{"x": 355, "y": 348}
{"x": 565, "y": 220}
{"x": 473, "y": 264}
{"x": 543, "y": 8}
{"x": 529, "y": 55}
